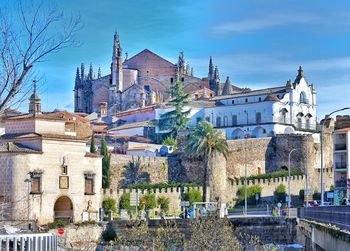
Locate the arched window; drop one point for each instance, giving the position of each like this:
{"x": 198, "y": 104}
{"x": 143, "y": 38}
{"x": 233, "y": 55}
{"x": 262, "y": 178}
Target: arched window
{"x": 225, "y": 121}
{"x": 303, "y": 99}
{"x": 218, "y": 121}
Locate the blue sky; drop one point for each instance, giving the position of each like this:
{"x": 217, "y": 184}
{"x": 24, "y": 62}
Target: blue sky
{"x": 258, "y": 43}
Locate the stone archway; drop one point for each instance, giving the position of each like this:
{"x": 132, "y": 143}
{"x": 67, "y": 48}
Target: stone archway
{"x": 63, "y": 209}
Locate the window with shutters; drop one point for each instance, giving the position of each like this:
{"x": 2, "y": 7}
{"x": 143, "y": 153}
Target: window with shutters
{"x": 36, "y": 185}
{"x": 35, "y": 180}
{"x": 89, "y": 183}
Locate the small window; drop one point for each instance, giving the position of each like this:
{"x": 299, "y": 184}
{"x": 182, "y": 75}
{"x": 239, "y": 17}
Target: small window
{"x": 233, "y": 102}
{"x": 218, "y": 121}
{"x": 207, "y": 119}
{"x": 259, "y": 99}
{"x": 89, "y": 183}
{"x": 171, "y": 80}
{"x": 182, "y": 79}
{"x": 64, "y": 169}
{"x": 198, "y": 120}
{"x": 36, "y": 185}
{"x": 246, "y": 100}
{"x": 89, "y": 186}
{"x": 234, "y": 120}
{"x": 258, "y": 117}
{"x": 278, "y": 96}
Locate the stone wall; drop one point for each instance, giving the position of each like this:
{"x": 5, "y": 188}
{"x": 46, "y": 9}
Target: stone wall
{"x": 127, "y": 169}
{"x": 174, "y": 195}
{"x": 269, "y": 185}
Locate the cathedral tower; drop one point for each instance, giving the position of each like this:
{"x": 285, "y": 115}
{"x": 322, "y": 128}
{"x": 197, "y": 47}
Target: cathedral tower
{"x": 117, "y": 65}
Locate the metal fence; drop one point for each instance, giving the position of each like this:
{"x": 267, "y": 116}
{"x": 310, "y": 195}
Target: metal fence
{"x": 28, "y": 242}
{"x": 334, "y": 215}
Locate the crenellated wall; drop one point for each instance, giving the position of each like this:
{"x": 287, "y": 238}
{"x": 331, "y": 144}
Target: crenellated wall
{"x": 173, "y": 193}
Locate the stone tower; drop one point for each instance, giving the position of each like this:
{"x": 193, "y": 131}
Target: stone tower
{"x": 34, "y": 101}
{"x": 117, "y": 65}
{"x": 216, "y": 82}
{"x": 116, "y": 86}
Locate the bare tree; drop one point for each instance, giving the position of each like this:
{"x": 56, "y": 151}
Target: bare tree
{"x": 28, "y": 35}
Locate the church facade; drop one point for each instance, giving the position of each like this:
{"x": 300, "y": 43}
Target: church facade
{"x": 142, "y": 80}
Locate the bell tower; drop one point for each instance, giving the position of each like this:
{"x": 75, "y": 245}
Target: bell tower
{"x": 34, "y": 101}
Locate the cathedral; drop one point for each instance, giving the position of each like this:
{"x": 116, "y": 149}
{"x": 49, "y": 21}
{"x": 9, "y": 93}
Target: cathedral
{"x": 139, "y": 81}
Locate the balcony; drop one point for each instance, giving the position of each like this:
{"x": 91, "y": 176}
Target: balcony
{"x": 340, "y": 183}
{"x": 340, "y": 165}
{"x": 339, "y": 147}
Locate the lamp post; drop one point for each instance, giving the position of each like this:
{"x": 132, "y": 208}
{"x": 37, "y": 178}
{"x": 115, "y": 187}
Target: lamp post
{"x": 306, "y": 172}
{"x": 289, "y": 197}
{"x": 321, "y": 138}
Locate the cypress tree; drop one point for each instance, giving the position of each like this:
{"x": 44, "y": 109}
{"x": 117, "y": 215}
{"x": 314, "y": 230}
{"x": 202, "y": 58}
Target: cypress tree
{"x": 92, "y": 145}
{"x": 105, "y": 163}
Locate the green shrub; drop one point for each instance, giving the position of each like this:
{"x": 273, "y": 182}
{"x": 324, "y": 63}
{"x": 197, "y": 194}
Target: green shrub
{"x": 124, "y": 201}
{"x": 109, "y": 234}
{"x": 108, "y": 204}
{"x": 331, "y": 189}
{"x": 163, "y": 203}
{"x": 148, "y": 201}
{"x": 193, "y": 195}
{"x": 280, "y": 193}
{"x": 316, "y": 195}
{"x": 276, "y": 174}
{"x": 251, "y": 193}
{"x": 57, "y": 224}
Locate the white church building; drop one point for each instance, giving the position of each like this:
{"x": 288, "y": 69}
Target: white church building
{"x": 266, "y": 112}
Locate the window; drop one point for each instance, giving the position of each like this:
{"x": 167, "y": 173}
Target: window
{"x": 259, "y": 99}
{"x": 307, "y": 122}
{"x": 233, "y": 102}
{"x": 36, "y": 185}
{"x": 225, "y": 121}
{"x": 207, "y": 119}
{"x": 246, "y": 100}
{"x": 300, "y": 122}
{"x": 278, "y": 96}
{"x": 89, "y": 183}
{"x": 198, "y": 120}
{"x": 35, "y": 179}
{"x": 234, "y": 120}
{"x": 64, "y": 169}
{"x": 171, "y": 80}
{"x": 182, "y": 79}
{"x": 218, "y": 121}
{"x": 303, "y": 99}
{"x": 258, "y": 117}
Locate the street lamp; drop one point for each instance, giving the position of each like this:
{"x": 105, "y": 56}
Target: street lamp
{"x": 323, "y": 123}
{"x": 289, "y": 197}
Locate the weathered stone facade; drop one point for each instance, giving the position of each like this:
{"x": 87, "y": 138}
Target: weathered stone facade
{"x": 127, "y": 169}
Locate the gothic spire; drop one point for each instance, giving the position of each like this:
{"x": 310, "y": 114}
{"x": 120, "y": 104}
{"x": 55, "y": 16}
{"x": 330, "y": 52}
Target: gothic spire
{"x": 82, "y": 71}
{"x": 77, "y": 75}
{"x": 181, "y": 63}
{"x": 99, "y": 72}
{"x": 91, "y": 72}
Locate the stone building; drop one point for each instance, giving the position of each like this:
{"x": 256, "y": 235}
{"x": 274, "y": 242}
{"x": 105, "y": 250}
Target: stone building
{"x": 46, "y": 173}
{"x": 144, "y": 79}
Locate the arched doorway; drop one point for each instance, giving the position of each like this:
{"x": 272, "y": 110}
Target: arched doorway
{"x": 63, "y": 209}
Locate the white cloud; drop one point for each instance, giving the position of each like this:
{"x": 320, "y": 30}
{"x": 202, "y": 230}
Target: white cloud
{"x": 276, "y": 20}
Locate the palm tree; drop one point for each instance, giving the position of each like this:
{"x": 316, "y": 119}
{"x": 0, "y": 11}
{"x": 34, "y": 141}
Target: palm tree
{"x": 206, "y": 142}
